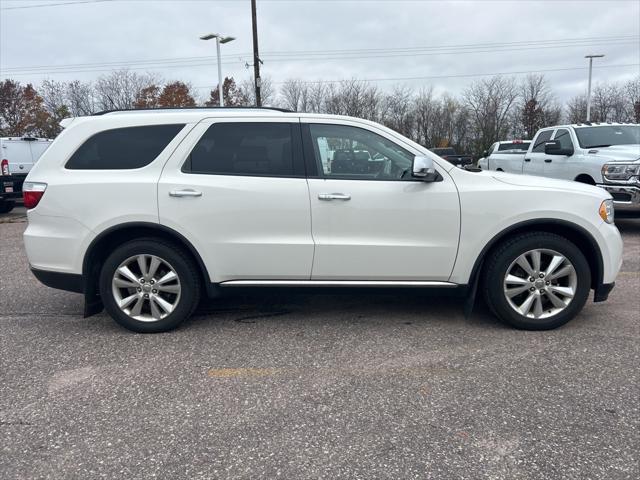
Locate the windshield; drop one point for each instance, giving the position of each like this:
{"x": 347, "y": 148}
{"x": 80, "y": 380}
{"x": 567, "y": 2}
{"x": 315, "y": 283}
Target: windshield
{"x": 605, "y": 136}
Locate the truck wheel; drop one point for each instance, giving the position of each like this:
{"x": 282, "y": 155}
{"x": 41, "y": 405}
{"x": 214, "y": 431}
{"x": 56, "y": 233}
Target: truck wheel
{"x": 537, "y": 281}
{"x": 149, "y": 285}
{"x": 6, "y": 206}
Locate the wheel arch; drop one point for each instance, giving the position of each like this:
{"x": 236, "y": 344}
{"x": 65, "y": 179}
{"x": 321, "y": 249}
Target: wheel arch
{"x": 575, "y": 233}
{"x": 105, "y": 242}
{"x": 585, "y": 178}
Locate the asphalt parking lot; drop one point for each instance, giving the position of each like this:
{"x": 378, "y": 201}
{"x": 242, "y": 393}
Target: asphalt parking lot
{"x": 331, "y": 386}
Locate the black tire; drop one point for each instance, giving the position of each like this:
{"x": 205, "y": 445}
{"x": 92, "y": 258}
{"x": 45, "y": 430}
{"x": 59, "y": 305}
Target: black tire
{"x": 6, "y": 206}
{"x": 184, "y": 267}
{"x": 502, "y": 257}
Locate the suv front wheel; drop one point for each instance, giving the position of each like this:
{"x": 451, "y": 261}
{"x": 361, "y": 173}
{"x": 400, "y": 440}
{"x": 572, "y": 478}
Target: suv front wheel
{"x": 149, "y": 286}
{"x": 537, "y": 281}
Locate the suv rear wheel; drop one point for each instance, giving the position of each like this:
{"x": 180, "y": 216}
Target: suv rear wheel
{"x": 537, "y": 281}
{"x": 149, "y": 286}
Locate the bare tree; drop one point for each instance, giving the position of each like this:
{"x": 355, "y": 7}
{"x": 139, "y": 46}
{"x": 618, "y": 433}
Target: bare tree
{"x": 353, "y": 97}
{"x": 119, "y": 89}
{"x": 537, "y": 107}
{"x": 294, "y": 95}
{"x": 399, "y": 111}
{"x": 608, "y": 103}
{"x": 632, "y": 99}
{"x": 81, "y": 98}
{"x": 491, "y": 102}
{"x": 267, "y": 91}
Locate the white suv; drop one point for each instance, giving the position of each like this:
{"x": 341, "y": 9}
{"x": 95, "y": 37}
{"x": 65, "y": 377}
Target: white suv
{"x": 145, "y": 212}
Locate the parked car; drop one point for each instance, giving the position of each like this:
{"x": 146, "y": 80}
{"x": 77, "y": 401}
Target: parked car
{"x": 450, "y": 155}
{"x": 144, "y": 212}
{"x": 602, "y": 154}
{"x": 17, "y": 156}
{"x": 503, "y": 152}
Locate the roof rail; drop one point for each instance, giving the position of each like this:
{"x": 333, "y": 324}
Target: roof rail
{"x": 104, "y": 112}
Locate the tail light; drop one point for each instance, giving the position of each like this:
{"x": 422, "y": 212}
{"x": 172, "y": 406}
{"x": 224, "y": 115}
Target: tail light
{"x": 32, "y": 192}
{"x": 5, "y": 166}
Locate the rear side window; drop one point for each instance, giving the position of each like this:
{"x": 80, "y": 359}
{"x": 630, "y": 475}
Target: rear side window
{"x": 251, "y": 149}
{"x": 540, "y": 140}
{"x": 123, "y": 148}
{"x": 519, "y": 146}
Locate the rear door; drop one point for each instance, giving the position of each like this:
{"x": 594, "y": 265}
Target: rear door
{"x": 371, "y": 220}
{"x": 534, "y": 160}
{"x": 236, "y": 189}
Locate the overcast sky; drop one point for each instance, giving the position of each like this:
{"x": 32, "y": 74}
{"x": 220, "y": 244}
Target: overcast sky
{"x": 445, "y": 44}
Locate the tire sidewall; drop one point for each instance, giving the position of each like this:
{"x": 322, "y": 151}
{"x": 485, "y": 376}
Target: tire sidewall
{"x": 496, "y": 275}
{"x": 188, "y": 282}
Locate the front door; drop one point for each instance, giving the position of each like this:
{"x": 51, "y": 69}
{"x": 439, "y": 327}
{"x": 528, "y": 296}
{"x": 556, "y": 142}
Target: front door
{"x": 237, "y": 190}
{"x": 371, "y": 219}
{"x": 560, "y": 166}
{"x": 534, "y": 161}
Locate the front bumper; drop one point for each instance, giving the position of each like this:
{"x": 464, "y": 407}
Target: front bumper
{"x": 625, "y": 197}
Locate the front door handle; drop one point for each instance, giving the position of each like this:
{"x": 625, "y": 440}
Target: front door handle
{"x": 547, "y": 160}
{"x": 527, "y": 159}
{"x": 188, "y": 192}
{"x": 334, "y": 196}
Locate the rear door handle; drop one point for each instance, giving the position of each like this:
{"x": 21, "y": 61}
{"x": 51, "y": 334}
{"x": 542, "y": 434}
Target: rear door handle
{"x": 527, "y": 159}
{"x": 188, "y": 192}
{"x": 334, "y": 196}
{"x": 547, "y": 160}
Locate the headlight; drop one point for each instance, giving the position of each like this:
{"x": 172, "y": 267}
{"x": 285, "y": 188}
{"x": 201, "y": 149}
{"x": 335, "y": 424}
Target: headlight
{"x": 620, "y": 171}
{"x": 606, "y": 211}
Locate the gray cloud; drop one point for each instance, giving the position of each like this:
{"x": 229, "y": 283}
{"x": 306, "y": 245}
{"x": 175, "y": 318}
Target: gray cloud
{"x": 132, "y": 30}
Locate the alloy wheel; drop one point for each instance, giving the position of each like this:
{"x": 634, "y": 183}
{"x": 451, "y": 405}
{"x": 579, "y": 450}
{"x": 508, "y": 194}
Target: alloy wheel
{"x": 540, "y": 283}
{"x": 146, "y": 288}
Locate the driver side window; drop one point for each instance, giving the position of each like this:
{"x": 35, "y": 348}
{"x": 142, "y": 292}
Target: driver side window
{"x": 343, "y": 151}
{"x": 564, "y": 137}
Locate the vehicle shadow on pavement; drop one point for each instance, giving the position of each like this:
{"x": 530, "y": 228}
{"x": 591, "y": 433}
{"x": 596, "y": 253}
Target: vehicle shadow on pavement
{"x": 408, "y": 307}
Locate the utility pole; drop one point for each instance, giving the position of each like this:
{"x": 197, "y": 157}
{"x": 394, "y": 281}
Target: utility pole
{"x": 256, "y": 56}
{"x": 590, "y": 57}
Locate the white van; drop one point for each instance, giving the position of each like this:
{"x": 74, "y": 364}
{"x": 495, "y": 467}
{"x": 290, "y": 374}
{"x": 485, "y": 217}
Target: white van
{"x": 17, "y": 156}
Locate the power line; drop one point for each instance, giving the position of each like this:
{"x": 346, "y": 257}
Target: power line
{"x": 59, "y": 4}
{"x": 462, "y": 75}
{"x": 206, "y": 61}
{"x": 295, "y": 53}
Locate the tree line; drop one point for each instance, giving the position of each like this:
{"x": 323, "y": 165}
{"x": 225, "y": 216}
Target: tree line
{"x": 488, "y": 110}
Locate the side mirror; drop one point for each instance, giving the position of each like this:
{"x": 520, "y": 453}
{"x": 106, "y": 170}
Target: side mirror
{"x": 424, "y": 169}
{"x": 553, "y": 147}
{"x": 485, "y": 153}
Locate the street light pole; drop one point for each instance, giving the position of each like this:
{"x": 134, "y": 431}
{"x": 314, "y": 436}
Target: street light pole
{"x": 219, "y": 39}
{"x": 590, "y": 57}
{"x": 219, "y": 72}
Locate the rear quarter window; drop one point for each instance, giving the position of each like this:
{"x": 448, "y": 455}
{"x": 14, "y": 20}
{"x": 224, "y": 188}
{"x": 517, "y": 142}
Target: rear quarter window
{"x": 123, "y": 148}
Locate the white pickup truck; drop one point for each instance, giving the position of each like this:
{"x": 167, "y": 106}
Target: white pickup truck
{"x": 17, "y": 156}
{"x": 602, "y": 154}
{"x": 507, "y": 153}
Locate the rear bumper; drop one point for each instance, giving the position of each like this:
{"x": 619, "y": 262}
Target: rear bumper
{"x": 625, "y": 197}
{"x": 11, "y": 186}
{"x": 70, "y": 282}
